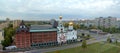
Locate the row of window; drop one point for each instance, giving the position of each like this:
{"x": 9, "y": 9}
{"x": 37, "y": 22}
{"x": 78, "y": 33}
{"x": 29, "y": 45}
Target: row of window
{"x": 36, "y": 41}
{"x": 45, "y": 44}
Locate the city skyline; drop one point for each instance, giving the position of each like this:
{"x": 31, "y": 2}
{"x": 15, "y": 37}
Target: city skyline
{"x": 51, "y": 9}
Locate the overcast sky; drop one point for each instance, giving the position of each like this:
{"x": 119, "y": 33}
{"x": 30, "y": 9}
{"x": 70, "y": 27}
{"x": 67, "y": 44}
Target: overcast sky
{"x": 48, "y": 9}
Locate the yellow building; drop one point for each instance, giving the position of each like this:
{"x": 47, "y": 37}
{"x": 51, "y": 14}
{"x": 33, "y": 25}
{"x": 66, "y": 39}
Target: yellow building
{"x": 16, "y": 23}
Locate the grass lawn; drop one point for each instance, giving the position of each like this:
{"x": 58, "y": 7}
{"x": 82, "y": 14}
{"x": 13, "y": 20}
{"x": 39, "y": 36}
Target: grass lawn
{"x": 92, "y": 48}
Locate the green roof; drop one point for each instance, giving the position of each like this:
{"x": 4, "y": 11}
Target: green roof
{"x": 43, "y": 30}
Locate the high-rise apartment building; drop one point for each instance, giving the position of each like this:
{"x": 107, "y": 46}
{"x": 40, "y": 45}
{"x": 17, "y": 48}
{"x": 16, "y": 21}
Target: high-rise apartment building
{"x": 106, "y": 22}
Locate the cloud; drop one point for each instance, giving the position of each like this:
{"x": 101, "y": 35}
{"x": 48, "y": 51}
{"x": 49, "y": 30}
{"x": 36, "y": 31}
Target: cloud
{"x": 79, "y": 8}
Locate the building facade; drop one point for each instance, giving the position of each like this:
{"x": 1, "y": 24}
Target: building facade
{"x": 5, "y": 24}
{"x": 22, "y": 37}
{"x": 1, "y": 35}
{"x": 43, "y": 35}
{"x": 66, "y": 35}
{"x": 106, "y": 22}
{"x": 16, "y": 23}
{"x": 87, "y": 23}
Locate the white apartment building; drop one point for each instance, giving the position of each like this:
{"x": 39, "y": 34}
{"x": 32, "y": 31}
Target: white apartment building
{"x": 118, "y": 24}
{"x": 106, "y": 22}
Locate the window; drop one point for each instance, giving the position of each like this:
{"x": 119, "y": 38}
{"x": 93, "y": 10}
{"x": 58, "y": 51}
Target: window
{"x": 23, "y": 26}
{"x": 20, "y": 26}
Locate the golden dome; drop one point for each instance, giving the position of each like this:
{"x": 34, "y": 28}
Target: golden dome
{"x": 70, "y": 23}
{"x": 60, "y": 17}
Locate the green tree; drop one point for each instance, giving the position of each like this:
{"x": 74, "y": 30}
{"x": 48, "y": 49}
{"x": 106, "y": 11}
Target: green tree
{"x": 28, "y": 24}
{"x": 8, "y": 33}
{"x": 116, "y": 41}
{"x": 82, "y": 26}
{"x": 109, "y": 40}
{"x": 84, "y": 44}
{"x": 76, "y": 26}
{"x": 10, "y": 25}
{"x": 92, "y": 27}
{"x": 66, "y": 24}
{"x": 88, "y": 36}
{"x": 110, "y": 29}
{"x": 83, "y": 35}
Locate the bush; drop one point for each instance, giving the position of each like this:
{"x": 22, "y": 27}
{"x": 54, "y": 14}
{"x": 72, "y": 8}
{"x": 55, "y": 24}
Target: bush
{"x": 109, "y": 40}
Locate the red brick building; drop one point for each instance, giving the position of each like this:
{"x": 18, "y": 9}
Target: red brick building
{"x": 22, "y": 37}
{"x": 42, "y": 37}
{"x": 35, "y": 36}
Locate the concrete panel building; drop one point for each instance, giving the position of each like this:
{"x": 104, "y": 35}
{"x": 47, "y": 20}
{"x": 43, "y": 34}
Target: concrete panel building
{"x": 106, "y": 22}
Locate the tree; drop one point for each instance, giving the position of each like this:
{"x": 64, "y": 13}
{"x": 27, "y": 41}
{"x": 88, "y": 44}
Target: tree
{"x": 84, "y": 44}
{"x": 110, "y": 29}
{"x": 92, "y": 27}
{"x": 10, "y": 25}
{"x": 66, "y": 24}
{"x": 88, "y": 36}
{"x": 28, "y": 24}
{"x": 8, "y": 33}
{"x": 109, "y": 40}
{"x": 83, "y": 35}
{"x": 116, "y": 41}
{"x": 76, "y": 26}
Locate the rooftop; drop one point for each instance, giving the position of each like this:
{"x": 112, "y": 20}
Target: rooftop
{"x": 41, "y": 28}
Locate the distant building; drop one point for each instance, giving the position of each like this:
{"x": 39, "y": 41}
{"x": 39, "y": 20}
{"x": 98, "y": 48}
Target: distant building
{"x": 7, "y": 20}
{"x": 106, "y": 22}
{"x": 5, "y": 24}
{"x": 16, "y": 23}
{"x": 1, "y": 35}
{"x": 54, "y": 23}
{"x": 87, "y": 23}
{"x": 1, "y": 38}
{"x": 118, "y": 24}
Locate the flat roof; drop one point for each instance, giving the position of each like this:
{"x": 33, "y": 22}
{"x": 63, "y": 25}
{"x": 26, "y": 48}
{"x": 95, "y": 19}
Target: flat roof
{"x": 42, "y": 28}
{"x": 39, "y": 27}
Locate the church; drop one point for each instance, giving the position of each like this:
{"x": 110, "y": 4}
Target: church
{"x": 44, "y": 35}
{"x": 65, "y": 35}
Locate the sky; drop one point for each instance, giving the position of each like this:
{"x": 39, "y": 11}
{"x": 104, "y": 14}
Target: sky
{"x": 52, "y": 9}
